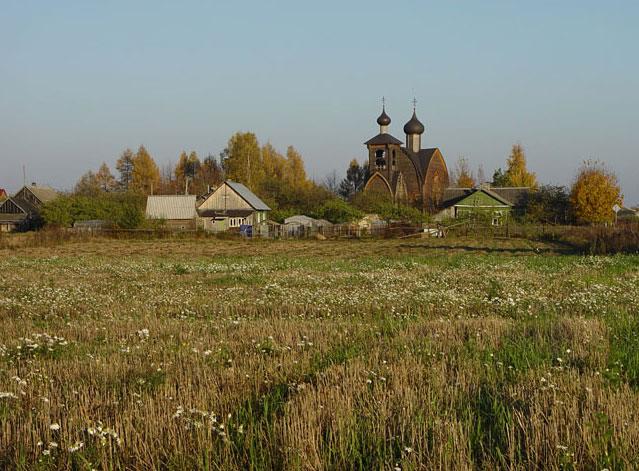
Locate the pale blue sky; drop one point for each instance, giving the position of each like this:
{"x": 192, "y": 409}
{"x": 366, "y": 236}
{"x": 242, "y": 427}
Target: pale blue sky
{"x": 82, "y": 80}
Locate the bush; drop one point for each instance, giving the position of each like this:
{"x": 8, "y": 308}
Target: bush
{"x": 124, "y": 210}
{"x": 338, "y": 211}
{"x": 387, "y": 209}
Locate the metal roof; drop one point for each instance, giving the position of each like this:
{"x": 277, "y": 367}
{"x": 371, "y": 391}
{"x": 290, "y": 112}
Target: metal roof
{"x": 248, "y": 196}
{"x": 414, "y": 126}
{"x": 171, "y": 207}
{"x": 384, "y": 119}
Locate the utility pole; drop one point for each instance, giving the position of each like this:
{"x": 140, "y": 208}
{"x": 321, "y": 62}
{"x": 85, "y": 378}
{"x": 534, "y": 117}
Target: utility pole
{"x": 248, "y": 177}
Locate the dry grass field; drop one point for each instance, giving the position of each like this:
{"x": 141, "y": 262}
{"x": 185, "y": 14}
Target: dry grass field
{"x": 211, "y": 354}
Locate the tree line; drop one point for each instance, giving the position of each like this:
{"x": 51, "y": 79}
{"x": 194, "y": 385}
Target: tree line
{"x": 590, "y": 198}
{"x": 280, "y": 179}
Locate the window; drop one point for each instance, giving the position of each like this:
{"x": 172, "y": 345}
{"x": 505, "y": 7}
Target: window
{"x": 380, "y": 160}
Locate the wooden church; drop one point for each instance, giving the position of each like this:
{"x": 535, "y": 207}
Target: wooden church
{"x": 404, "y": 171}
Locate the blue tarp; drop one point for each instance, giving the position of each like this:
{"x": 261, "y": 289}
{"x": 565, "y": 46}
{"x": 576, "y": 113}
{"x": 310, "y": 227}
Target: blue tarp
{"x": 246, "y": 230}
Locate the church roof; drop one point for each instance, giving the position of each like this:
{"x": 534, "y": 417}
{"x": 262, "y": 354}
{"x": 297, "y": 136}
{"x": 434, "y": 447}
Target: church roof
{"x": 414, "y": 126}
{"x": 424, "y": 157}
{"x": 383, "y": 139}
{"x": 384, "y": 119}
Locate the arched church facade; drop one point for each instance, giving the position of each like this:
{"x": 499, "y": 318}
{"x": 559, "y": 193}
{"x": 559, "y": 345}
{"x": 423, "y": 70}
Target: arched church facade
{"x": 403, "y": 171}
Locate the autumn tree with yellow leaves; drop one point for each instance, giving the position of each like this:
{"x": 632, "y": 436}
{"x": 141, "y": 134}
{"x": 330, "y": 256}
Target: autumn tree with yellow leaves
{"x": 145, "y": 176}
{"x": 595, "y": 191}
{"x": 517, "y": 174}
{"x": 463, "y": 174}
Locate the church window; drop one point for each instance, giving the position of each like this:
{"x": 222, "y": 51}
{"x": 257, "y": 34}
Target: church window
{"x": 380, "y": 160}
{"x": 394, "y": 159}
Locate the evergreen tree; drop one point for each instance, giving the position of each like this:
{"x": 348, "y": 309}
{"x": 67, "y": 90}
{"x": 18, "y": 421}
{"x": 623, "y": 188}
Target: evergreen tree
{"x": 499, "y": 179}
{"x": 355, "y": 180}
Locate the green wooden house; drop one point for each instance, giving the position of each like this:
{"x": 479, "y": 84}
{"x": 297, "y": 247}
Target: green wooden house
{"x": 479, "y": 202}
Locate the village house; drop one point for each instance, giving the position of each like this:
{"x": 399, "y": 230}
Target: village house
{"x": 177, "y": 212}
{"x": 229, "y": 207}
{"x": 493, "y": 204}
{"x": 22, "y": 211}
{"x": 628, "y": 214}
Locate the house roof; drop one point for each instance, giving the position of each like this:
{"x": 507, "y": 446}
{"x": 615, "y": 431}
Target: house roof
{"x": 382, "y": 139}
{"x": 518, "y": 196}
{"x": 515, "y": 196}
{"x": 475, "y": 194}
{"x": 248, "y": 196}
{"x": 230, "y": 213}
{"x": 43, "y": 193}
{"x": 307, "y": 221}
{"x": 3, "y": 193}
{"x": 25, "y": 206}
{"x": 496, "y": 196}
{"x": 171, "y": 207}
{"x": 628, "y": 212}
{"x": 301, "y": 219}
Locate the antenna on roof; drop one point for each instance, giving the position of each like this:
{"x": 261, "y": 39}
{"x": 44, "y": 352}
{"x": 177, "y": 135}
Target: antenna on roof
{"x": 24, "y": 176}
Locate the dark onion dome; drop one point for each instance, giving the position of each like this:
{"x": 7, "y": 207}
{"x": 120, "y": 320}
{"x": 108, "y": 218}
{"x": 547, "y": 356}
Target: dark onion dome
{"x": 384, "y": 119}
{"x": 414, "y": 126}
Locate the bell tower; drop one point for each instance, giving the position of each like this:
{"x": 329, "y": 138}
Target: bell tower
{"x": 383, "y": 149}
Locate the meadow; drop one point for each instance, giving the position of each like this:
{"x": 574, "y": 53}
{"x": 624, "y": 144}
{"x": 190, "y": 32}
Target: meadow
{"x": 398, "y": 355}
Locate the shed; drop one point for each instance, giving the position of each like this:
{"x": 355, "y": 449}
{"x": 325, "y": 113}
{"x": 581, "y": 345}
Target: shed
{"x": 177, "y": 211}
{"x": 92, "y": 225}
